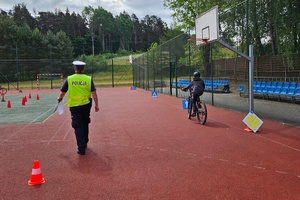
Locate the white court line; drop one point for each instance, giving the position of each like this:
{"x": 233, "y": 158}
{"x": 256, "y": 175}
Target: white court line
{"x": 223, "y": 160}
{"x": 177, "y": 152}
{"x": 257, "y": 167}
{"x": 41, "y": 115}
{"x": 12, "y": 135}
{"x": 293, "y": 148}
{"x": 163, "y": 149}
{"x": 281, "y": 144}
{"x": 238, "y": 163}
{"x": 62, "y": 125}
{"x": 51, "y": 114}
{"x": 207, "y": 157}
{"x": 281, "y": 172}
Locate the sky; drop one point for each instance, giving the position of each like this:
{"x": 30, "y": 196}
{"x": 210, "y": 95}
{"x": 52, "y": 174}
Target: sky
{"x": 140, "y": 8}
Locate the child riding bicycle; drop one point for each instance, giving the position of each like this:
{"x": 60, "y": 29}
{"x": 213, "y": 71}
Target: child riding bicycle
{"x": 197, "y": 85}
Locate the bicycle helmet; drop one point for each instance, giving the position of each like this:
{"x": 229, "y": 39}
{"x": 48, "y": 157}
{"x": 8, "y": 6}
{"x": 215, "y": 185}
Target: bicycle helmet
{"x": 196, "y": 74}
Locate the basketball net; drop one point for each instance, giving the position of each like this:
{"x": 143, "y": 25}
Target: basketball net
{"x": 201, "y": 40}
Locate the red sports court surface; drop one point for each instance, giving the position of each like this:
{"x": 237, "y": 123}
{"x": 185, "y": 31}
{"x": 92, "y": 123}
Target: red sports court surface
{"x": 146, "y": 148}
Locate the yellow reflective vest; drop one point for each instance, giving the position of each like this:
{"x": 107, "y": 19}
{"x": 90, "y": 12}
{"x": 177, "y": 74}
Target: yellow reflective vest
{"x": 79, "y": 90}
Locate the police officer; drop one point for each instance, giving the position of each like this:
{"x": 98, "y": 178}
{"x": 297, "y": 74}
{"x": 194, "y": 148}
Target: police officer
{"x": 80, "y": 88}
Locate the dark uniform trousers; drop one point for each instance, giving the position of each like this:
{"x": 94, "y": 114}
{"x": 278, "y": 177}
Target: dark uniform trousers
{"x": 80, "y": 122}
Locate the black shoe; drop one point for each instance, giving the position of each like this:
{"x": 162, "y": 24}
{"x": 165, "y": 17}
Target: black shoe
{"x": 81, "y": 152}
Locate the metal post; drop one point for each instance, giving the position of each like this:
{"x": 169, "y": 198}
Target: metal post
{"x": 93, "y": 48}
{"x": 51, "y": 66}
{"x": 171, "y": 87}
{"x": 176, "y": 78}
{"x": 112, "y": 72}
{"x": 212, "y": 76}
{"x": 251, "y": 79}
{"x": 153, "y": 65}
{"x": 17, "y": 62}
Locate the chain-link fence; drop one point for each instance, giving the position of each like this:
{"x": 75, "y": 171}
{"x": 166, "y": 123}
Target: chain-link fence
{"x": 169, "y": 66}
{"x": 23, "y": 73}
{"x": 44, "y": 68}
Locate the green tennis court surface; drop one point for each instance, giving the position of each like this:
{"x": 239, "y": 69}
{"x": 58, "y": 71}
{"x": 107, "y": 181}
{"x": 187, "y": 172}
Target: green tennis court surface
{"x": 33, "y": 111}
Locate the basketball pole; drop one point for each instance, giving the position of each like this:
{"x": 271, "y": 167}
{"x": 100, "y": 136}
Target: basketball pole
{"x": 250, "y": 58}
{"x": 251, "y": 79}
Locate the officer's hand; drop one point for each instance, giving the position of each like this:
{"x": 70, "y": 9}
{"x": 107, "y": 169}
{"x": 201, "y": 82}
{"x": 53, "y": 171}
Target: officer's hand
{"x": 59, "y": 99}
{"x": 96, "y": 108}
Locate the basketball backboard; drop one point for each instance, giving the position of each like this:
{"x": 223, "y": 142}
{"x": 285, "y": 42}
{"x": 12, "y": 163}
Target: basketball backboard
{"x": 207, "y": 26}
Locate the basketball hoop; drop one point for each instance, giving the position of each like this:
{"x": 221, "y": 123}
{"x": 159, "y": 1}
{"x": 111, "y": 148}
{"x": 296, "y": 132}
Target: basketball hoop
{"x": 198, "y": 40}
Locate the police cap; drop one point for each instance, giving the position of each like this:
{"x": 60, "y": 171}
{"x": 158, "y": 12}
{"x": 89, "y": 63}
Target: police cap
{"x": 79, "y": 64}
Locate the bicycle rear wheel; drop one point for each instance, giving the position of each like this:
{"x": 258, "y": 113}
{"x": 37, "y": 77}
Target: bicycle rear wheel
{"x": 202, "y": 113}
{"x": 190, "y": 108}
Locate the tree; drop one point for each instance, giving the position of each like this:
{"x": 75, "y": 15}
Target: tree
{"x": 125, "y": 30}
{"x": 21, "y": 15}
{"x": 136, "y": 32}
{"x": 152, "y": 29}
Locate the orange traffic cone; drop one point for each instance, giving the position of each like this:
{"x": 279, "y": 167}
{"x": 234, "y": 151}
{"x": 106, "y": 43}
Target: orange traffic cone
{"x": 23, "y": 101}
{"x": 25, "y": 98}
{"x": 36, "y": 174}
{"x": 29, "y": 96}
{"x": 248, "y": 129}
{"x": 37, "y": 97}
{"x": 8, "y": 104}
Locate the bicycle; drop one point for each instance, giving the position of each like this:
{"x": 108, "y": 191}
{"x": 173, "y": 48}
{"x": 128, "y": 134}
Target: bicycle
{"x": 201, "y": 107}
{"x": 3, "y": 91}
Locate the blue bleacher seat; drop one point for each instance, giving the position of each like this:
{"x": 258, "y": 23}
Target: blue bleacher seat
{"x": 279, "y": 85}
{"x": 258, "y": 83}
{"x": 298, "y": 85}
{"x": 265, "y": 90}
{"x": 286, "y": 85}
{"x": 271, "y": 91}
{"x": 268, "y": 85}
{"x": 259, "y": 90}
{"x": 292, "y": 85}
{"x": 283, "y": 92}
{"x": 224, "y": 82}
{"x": 240, "y": 89}
{"x": 277, "y": 90}
{"x": 297, "y": 93}
{"x": 263, "y": 84}
{"x": 274, "y": 85}
{"x": 290, "y": 92}
{"x": 287, "y": 93}
{"x": 254, "y": 88}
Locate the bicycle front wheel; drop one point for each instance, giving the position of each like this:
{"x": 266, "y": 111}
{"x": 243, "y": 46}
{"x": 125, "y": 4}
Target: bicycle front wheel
{"x": 3, "y": 91}
{"x": 202, "y": 113}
